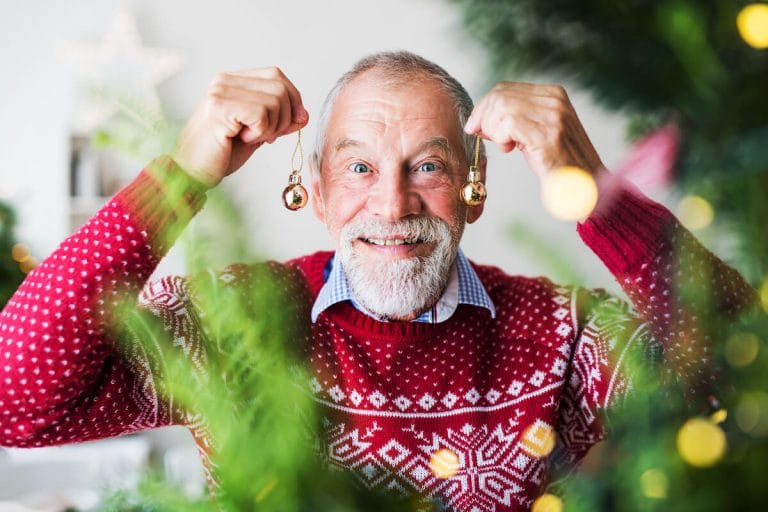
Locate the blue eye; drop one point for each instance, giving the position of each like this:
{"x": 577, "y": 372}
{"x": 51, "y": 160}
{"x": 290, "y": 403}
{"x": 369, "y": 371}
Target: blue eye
{"x": 359, "y": 168}
{"x": 427, "y": 167}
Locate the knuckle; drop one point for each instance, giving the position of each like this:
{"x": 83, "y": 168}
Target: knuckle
{"x": 281, "y": 89}
{"x": 259, "y": 123}
{"x": 271, "y": 102}
{"x": 558, "y": 91}
{"x": 215, "y": 94}
{"x": 219, "y": 79}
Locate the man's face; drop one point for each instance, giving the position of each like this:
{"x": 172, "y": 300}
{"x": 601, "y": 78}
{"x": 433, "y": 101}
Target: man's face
{"x": 388, "y": 190}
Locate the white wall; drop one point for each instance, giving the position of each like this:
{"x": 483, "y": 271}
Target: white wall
{"x": 314, "y": 42}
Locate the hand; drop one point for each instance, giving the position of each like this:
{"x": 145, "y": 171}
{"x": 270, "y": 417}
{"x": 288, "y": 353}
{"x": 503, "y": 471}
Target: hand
{"x": 239, "y": 112}
{"x": 540, "y": 121}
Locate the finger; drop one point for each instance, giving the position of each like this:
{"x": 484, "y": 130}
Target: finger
{"x": 474, "y": 122}
{"x": 260, "y": 115}
{"x": 275, "y": 95}
{"x": 299, "y": 113}
{"x": 510, "y": 131}
{"x": 284, "y": 115}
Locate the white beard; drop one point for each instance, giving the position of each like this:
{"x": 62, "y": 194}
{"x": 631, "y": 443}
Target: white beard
{"x": 399, "y": 288}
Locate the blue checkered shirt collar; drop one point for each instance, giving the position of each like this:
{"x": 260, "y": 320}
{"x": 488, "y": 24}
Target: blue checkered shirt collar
{"x": 464, "y": 287}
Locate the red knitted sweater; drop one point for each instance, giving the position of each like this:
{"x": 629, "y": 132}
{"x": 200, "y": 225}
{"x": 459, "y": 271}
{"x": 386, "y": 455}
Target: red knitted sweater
{"x": 461, "y": 411}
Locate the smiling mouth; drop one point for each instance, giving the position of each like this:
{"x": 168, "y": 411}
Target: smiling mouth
{"x": 392, "y": 241}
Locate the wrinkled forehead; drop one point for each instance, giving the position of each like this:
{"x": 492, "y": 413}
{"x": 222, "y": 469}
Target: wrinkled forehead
{"x": 395, "y": 102}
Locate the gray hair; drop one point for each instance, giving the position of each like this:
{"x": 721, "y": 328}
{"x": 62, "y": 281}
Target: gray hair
{"x": 399, "y": 65}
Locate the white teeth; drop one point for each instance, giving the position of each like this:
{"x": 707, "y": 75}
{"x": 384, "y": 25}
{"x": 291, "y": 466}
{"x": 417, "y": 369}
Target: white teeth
{"x": 396, "y": 241}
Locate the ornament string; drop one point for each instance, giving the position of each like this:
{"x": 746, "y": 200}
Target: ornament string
{"x": 297, "y": 151}
{"x": 476, "y": 160}
{"x": 295, "y": 196}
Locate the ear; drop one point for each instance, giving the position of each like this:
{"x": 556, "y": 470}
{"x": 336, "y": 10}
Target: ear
{"x": 318, "y": 206}
{"x": 474, "y": 212}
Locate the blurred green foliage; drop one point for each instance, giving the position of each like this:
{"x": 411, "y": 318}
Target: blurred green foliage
{"x": 657, "y": 61}
{"x": 10, "y": 273}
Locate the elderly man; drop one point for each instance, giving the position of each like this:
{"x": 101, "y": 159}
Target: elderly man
{"x": 416, "y": 352}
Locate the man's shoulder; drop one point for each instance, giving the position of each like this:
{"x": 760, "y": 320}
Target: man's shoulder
{"x": 236, "y": 276}
{"x": 307, "y": 261}
{"x": 497, "y": 281}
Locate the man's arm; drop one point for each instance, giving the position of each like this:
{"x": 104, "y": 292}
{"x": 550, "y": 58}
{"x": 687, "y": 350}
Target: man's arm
{"x": 687, "y": 295}
{"x": 684, "y": 296}
{"x": 63, "y": 379}
{"x": 681, "y": 289}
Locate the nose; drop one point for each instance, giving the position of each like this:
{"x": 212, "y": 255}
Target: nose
{"x": 393, "y": 196}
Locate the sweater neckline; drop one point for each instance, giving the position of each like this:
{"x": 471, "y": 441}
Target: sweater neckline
{"x": 355, "y": 322}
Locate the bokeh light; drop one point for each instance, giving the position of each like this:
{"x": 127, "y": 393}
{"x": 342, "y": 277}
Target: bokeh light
{"x": 719, "y": 416}
{"x": 701, "y": 443}
{"x": 752, "y": 23}
{"x": 764, "y": 294}
{"x": 547, "y": 503}
{"x": 741, "y": 349}
{"x": 569, "y": 193}
{"x": 752, "y": 413}
{"x": 28, "y": 265}
{"x": 20, "y": 253}
{"x": 538, "y": 439}
{"x": 654, "y": 483}
{"x": 695, "y": 212}
{"x": 444, "y": 463}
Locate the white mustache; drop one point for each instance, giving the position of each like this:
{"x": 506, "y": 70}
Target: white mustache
{"x": 424, "y": 229}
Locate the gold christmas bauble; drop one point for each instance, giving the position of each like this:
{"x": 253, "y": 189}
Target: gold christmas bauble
{"x": 295, "y": 196}
{"x": 473, "y": 193}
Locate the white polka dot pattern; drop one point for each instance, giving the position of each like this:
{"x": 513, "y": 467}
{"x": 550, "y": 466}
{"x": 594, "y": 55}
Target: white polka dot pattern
{"x": 62, "y": 377}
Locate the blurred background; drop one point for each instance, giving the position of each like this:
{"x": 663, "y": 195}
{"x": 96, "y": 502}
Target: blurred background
{"x": 670, "y": 92}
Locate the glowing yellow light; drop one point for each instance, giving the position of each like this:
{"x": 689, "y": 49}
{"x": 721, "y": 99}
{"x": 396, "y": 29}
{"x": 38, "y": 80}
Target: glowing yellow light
{"x": 444, "y": 463}
{"x": 28, "y": 265}
{"x": 741, "y": 349}
{"x": 764, "y": 294}
{"x": 547, "y": 503}
{"x": 569, "y": 193}
{"x": 718, "y": 416}
{"x": 752, "y": 413}
{"x": 701, "y": 443}
{"x": 20, "y": 253}
{"x": 695, "y": 212}
{"x": 752, "y": 23}
{"x": 654, "y": 483}
{"x": 538, "y": 439}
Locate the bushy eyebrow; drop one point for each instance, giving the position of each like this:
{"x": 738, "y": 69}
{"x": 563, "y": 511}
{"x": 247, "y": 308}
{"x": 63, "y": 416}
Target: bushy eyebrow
{"x": 440, "y": 143}
{"x": 346, "y": 143}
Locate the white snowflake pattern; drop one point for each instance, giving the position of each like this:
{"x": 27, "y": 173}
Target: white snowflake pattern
{"x": 472, "y": 396}
{"x": 537, "y": 378}
{"x": 515, "y": 388}
{"x": 427, "y": 401}
{"x": 377, "y": 399}
{"x": 449, "y": 400}
{"x": 402, "y": 403}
